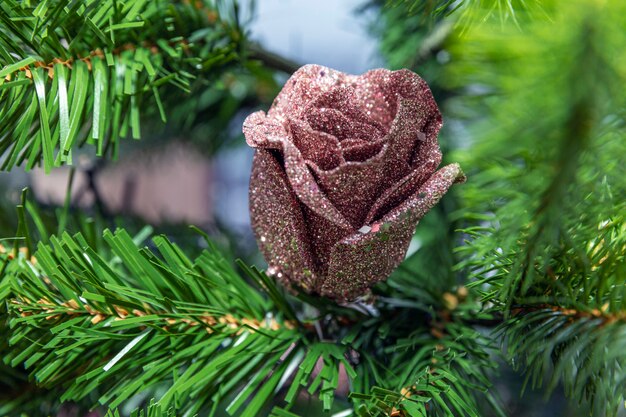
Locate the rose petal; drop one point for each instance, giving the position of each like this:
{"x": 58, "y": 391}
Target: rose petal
{"x": 304, "y": 86}
{"x": 379, "y": 102}
{"x": 404, "y": 133}
{"x": 315, "y": 146}
{"x": 410, "y": 87}
{"x": 360, "y": 150}
{"x": 306, "y": 188}
{"x": 379, "y": 88}
{"x": 322, "y": 235}
{"x": 337, "y": 124}
{"x": 263, "y": 132}
{"x": 360, "y": 260}
{"x": 344, "y": 99}
{"x": 399, "y": 192}
{"x": 427, "y": 150}
{"x": 354, "y": 186}
{"x": 278, "y": 223}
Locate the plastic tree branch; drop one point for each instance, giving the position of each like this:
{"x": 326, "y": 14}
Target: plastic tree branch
{"x": 87, "y": 72}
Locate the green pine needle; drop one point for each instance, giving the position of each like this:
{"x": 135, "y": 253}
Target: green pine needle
{"x": 75, "y": 73}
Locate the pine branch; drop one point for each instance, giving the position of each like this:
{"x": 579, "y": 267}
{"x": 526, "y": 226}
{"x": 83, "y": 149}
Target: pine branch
{"x": 471, "y": 12}
{"x": 76, "y": 72}
{"x": 584, "y": 352}
{"x": 132, "y": 322}
{"x": 540, "y": 230}
{"x": 77, "y": 317}
{"x": 440, "y": 376}
{"x": 546, "y": 237}
{"x": 73, "y": 312}
{"x": 271, "y": 60}
{"x": 153, "y": 409}
{"x": 413, "y": 341}
{"x": 125, "y": 320}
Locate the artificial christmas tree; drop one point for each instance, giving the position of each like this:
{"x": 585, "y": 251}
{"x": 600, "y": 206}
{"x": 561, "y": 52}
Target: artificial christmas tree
{"x": 529, "y": 255}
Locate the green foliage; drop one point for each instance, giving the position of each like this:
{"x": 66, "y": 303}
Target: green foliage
{"x": 77, "y": 72}
{"x": 435, "y": 376}
{"x": 555, "y": 129}
{"x": 582, "y": 351}
{"x": 546, "y": 192}
{"x": 131, "y": 322}
{"x": 417, "y": 351}
{"x": 126, "y": 321}
{"x": 412, "y": 43}
{"x": 421, "y": 7}
{"x": 205, "y": 117}
{"x": 468, "y": 12}
{"x": 154, "y": 409}
{"x": 111, "y": 324}
{"x": 94, "y": 318}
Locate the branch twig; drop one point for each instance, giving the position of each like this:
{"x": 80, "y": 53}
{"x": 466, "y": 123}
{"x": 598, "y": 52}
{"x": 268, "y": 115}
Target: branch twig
{"x": 271, "y": 59}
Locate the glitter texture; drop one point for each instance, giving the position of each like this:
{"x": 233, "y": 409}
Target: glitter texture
{"x": 345, "y": 167}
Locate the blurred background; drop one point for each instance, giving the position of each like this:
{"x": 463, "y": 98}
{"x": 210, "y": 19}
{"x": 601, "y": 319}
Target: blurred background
{"x": 195, "y": 169}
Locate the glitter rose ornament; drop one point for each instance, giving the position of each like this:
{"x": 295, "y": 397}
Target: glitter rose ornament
{"x": 345, "y": 166}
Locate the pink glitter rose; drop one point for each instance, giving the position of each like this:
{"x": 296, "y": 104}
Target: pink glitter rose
{"x": 345, "y": 166}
